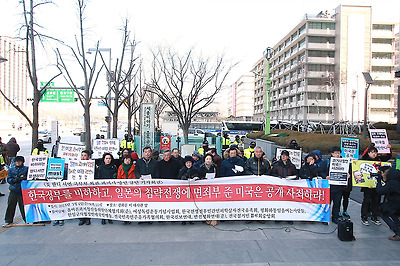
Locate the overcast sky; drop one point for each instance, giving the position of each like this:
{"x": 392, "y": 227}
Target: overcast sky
{"x": 240, "y": 29}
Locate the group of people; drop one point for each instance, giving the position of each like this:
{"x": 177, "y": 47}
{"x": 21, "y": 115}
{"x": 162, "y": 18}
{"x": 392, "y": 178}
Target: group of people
{"x": 206, "y": 163}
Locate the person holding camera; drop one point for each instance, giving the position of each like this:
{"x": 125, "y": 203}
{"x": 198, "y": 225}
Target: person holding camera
{"x": 388, "y": 184}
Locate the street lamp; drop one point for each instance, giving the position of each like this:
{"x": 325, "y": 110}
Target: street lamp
{"x": 368, "y": 81}
{"x": 108, "y": 117}
{"x": 268, "y": 55}
{"x": 2, "y": 59}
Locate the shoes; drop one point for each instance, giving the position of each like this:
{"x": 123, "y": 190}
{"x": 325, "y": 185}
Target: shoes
{"x": 61, "y": 223}
{"x": 127, "y": 222}
{"x": 290, "y": 222}
{"x": 81, "y": 222}
{"x": 364, "y": 221}
{"x": 2, "y": 194}
{"x": 183, "y": 223}
{"x": 88, "y": 222}
{"x": 110, "y": 221}
{"x": 375, "y": 221}
{"x": 103, "y": 221}
{"x": 261, "y": 222}
{"x": 346, "y": 215}
{"x": 56, "y": 223}
{"x": 6, "y": 224}
{"x": 394, "y": 238}
{"x": 191, "y": 222}
{"x": 340, "y": 214}
{"x": 335, "y": 220}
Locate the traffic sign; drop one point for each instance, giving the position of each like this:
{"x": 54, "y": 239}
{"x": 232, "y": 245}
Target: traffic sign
{"x": 165, "y": 143}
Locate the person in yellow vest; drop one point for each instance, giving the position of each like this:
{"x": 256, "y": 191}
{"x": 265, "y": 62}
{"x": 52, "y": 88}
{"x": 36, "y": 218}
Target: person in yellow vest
{"x": 40, "y": 149}
{"x": 226, "y": 141}
{"x": 204, "y": 148}
{"x": 237, "y": 141}
{"x": 249, "y": 152}
{"x": 126, "y": 143}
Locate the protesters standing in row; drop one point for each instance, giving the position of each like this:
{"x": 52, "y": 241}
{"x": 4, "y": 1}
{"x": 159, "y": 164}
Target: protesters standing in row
{"x": 309, "y": 169}
{"x": 188, "y": 171}
{"x": 126, "y": 169}
{"x": 258, "y": 165}
{"x": 233, "y": 165}
{"x": 197, "y": 159}
{"x": 217, "y": 159}
{"x": 208, "y": 167}
{"x": 146, "y": 166}
{"x": 177, "y": 157}
{"x": 371, "y": 198}
{"x": 167, "y": 168}
{"x": 284, "y": 167}
{"x": 85, "y": 155}
{"x": 15, "y": 176}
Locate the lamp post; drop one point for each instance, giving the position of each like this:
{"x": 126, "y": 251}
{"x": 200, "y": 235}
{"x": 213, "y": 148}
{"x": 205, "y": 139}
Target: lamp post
{"x": 267, "y": 54}
{"x": 108, "y": 117}
{"x": 368, "y": 81}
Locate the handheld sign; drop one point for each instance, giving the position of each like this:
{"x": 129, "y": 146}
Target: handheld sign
{"x": 70, "y": 151}
{"x": 338, "y": 170}
{"x": 81, "y": 170}
{"x": 379, "y": 137}
{"x": 55, "y": 169}
{"x": 100, "y": 146}
{"x": 364, "y": 172}
{"x": 350, "y": 148}
{"x": 37, "y": 167}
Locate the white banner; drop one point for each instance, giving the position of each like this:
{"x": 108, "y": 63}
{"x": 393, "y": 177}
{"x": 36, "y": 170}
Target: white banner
{"x": 79, "y": 170}
{"x": 338, "y": 171}
{"x": 70, "y": 151}
{"x": 37, "y": 167}
{"x": 101, "y": 146}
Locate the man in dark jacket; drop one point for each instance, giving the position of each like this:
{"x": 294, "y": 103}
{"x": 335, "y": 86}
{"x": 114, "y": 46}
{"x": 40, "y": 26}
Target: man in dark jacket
{"x": 257, "y": 165}
{"x": 13, "y": 149}
{"x": 233, "y": 165}
{"x": 309, "y": 169}
{"x": 146, "y": 166}
{"x": 167, "y": 168}
{"x": 284, "y": 167}
{"x": 177, "y": 157}
{"x": 390, "y": 187}
{"x": 15, "y": 176}
{"x": 216, "y": 158}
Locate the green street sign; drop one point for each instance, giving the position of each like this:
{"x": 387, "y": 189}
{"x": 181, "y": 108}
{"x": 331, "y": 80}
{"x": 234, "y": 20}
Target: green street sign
{"x": 50, "y": 96}
{"x": 58, "y": 96}
{"x": 43, "y": 83}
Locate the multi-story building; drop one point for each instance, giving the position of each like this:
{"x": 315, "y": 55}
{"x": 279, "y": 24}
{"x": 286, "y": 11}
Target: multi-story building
{"x": 316, "y": 69}
{"x": 397, "y": 67}
{"x": 13, "y": 75}
{"x": 240, "y": 98}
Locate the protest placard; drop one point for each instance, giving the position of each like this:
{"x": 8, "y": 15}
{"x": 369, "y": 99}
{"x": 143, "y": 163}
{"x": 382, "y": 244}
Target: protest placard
{"x": 338, "y": 170}
{"x": 100, "y": 146}
{"x": 349, "y": 148}
{"x": 380, "y": 139}
{"x": 70, "y": 151}
{"x": 364, "y": 172}
{"x": 55, "y": 168}
{"x": 294, "y": 156}
{"x": 81, "y": 170}
{"x": 227, "y": 198}
{"x": 37, "y": 167}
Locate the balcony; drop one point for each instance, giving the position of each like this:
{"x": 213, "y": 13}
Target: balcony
{"x": 382, "y": 33}
{"x": 322, "y": 32}
{"x": 321, "y": 60}
{"x": 382, "y": 47}
{"x": 382, "y": 62}
{"x": 323, "y": 46}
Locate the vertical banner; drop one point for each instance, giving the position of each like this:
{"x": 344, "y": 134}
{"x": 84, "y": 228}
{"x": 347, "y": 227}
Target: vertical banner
{"x": 146, "y": 125}
{"x": 350, "y": 148}
{"x": 379, "y": 137}
{"x": 100, "y": 146}
{"x": 37, "y": 167}
{"x": 70, "y": 151}
{"x": 55, "y": 168}
{"x": 338, "y": 170}
{"x": 165, "y": 143}
{"x": 294, "y": 156}
{"x": 364, "y": 172}
{"x": 79, "y": 170}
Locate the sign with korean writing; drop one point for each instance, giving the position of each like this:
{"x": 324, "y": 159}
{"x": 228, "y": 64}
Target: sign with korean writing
{"x": 81, "y": 170}
{"x": 349, "y": 148}
{"x": 55, "y": 168}
{"x": 379, "y": 137}
{"x": 146, "y": 125}
{"x": 364, "y": 172}
{"x": 37, "y": 167}
{"x": 100, "y": 146}
{"x": 230, "y": 198}
{"x": 294, "y": 156}
{"x": 70, "y": 151}
{"x": 165, "y": 143}
{"x": 338, "y": 170}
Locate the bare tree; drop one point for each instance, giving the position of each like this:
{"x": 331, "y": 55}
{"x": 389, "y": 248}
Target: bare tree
{"x": 186, "y": 83}
{"x": 89, "y": 71}
{"x": 119, "y": 77}
{"x": 30, "y": 36}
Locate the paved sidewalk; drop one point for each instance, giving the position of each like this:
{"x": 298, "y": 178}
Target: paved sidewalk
{"x": 199, "y": 244}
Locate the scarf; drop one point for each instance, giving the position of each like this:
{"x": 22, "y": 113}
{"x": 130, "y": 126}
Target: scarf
{"x": 126, "y": 168}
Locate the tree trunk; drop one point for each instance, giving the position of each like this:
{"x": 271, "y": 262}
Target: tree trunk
{"x": 185, "y": 129}
{"x": 129, "y": 120}
{"x": 35, "y": 120}
{"x": 88, "y": 138}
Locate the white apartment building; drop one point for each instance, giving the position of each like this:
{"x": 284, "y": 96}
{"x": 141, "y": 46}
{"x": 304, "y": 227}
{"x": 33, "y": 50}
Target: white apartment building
{"x": 316, "y": 69}
{"x": 240, "y": 98}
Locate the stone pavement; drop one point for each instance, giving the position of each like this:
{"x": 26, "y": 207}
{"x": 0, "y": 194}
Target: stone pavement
{"x": 167, "y": 243}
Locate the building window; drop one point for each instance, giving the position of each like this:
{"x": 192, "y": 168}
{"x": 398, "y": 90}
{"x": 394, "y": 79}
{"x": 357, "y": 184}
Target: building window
{"x": 319, "y": 96}
{"x": 302, "y": 42}
{"x": 380, "y": 110}
{"x": 381, "y": 55}
{"x": 382, "y": 41}
{"x": 382, "y": 83}
{"x": 385, "y": 97}
{"x": 294, "y": 36}
{"x": 319, "y": 67}
{"x": 382, "y": 27}
{"x": 317, "y": 53}
{"x": 320, "y": 39}
{"x": 385, "y": 69}
{"x": 321, "y": 25}
{"x": 302, "y": 29}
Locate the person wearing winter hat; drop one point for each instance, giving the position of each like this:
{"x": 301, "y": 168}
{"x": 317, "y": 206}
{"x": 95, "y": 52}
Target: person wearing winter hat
{"x": 40, "y": 149}
{"x": 15, "y": 176}
{"x": 197, "y": 159}
{"x": 188, "y": 171}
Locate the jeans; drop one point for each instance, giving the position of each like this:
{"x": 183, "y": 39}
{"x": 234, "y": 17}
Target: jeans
{"x": 390, "y": 217}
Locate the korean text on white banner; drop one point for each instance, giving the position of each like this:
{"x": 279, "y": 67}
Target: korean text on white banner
{"x": 55, "y": 168}
{"x": 81, "y": 170}
{"x": 379, "y": 137}
{"x": 338, "y": 171}
{"x": 294, "y": 156}
{"x": 70, "y": 151}
{"x": 101, "y": 146}
{"x": 349, "y": 148}
{"x": 147, "y": 125}
{"x": 37, "y": 167}
{"x": 228, "y": 198}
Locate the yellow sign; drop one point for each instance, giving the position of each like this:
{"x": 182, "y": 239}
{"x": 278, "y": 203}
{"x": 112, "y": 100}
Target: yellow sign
{"x": 364, "y": 172}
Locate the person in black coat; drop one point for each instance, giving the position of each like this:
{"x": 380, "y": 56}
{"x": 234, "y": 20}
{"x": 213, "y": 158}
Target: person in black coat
{"x": 188, "y": 171}
{"x": 309, "y": 169}
{"x": 108, "y": 169}
{"x": 177, "y": 157}
{"x": 146, "y": 166}
{"x": 167, "y": 168}
{"x": 233, "y": 165}
{"x": 13, "y": 149}
{"x": 389, "y": 185}
{"x": 284, "y": 167}
{"x": 258, "y": 165}
{"x": 208, "y": 167}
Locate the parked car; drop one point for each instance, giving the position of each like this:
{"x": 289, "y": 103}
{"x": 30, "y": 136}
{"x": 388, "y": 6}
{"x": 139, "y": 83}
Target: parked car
{"x": 77, "y": 131}
{"x": 45, "y": 136}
